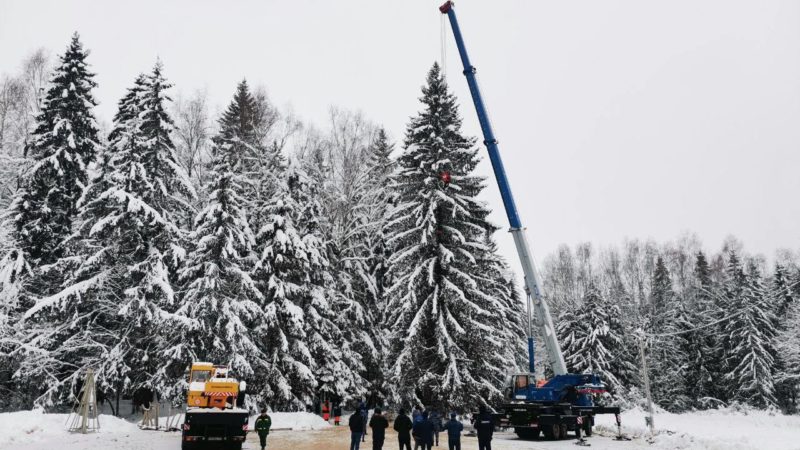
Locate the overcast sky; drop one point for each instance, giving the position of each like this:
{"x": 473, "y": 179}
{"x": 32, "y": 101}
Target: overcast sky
{"x": 615, "y": 118}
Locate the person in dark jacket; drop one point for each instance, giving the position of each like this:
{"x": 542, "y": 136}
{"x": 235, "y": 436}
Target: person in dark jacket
{"x": 484, "y": 425}
{"x": 436, "y": 420}
{"x": 454, "y": 429}
{"x": 403, "y": 426}
{"x": 356, "y": 424}
{"x": 337, "y": 414}
{"x": 379, "y": 424}
{"x": 362, "y": 408}
{"x": 263, "y": 424}
{"x": 423, "y": 430}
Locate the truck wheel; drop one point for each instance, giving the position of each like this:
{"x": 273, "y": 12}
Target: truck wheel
{"x": 564, "y": 430}
{"x": 587, "y": 427}
{"x": 553, "y": 432}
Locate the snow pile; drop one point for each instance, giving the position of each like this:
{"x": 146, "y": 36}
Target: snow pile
{"x": 25, "y": 427}
{"x": 724, "y": 429}
{"x": 294, "y": 421}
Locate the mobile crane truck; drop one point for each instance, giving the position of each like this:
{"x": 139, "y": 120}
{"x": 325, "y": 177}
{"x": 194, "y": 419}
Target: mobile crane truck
{"x": 565, "y": 402}
{"x": 214, "y": 416}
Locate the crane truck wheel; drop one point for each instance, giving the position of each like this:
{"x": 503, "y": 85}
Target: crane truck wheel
{"x": 553, "y": 432}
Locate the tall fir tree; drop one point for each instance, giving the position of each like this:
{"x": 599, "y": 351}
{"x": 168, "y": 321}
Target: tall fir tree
{"x": 282, "y": 275}
{"x": 703, "y": 366}
{"x": 586, "y": 338}
{"x": 130, "y": 243}
{"x": 441, "y": 317}
{"x": 748, "y": 337}
{"x": 788, "y": 346}
{"x": 63, "y": 145}
{"x": 220, "y": 296}
{"x": 661, "y": 296}
{"x": 782, "y": 300}
{"x": 359, "y": 260}
{"x": 335, "y": 365}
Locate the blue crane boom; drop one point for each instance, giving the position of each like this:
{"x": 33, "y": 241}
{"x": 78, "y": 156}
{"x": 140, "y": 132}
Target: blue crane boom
{"x": 532, "y": 283}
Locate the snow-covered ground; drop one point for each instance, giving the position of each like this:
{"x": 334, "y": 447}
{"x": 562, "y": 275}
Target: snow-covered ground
{"x": 711, "y": 430}
{"x": 28, "y": 430}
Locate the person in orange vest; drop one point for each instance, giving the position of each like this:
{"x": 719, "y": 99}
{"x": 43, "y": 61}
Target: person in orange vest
{"x": 326, "y": 411}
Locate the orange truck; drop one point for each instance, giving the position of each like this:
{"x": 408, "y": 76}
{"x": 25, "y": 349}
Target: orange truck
{"x": 215, "y": 418}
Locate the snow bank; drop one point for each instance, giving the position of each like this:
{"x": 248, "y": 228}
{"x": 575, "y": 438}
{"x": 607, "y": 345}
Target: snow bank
{"x": 713, "y": 430}
{"x": 25, "y": 427}
{"x": 294, "y": 421}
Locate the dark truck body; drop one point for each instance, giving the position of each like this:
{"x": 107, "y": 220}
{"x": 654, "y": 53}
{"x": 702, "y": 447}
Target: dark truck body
{"x": 530, "y": 419}
{"x": 214, "y": 429}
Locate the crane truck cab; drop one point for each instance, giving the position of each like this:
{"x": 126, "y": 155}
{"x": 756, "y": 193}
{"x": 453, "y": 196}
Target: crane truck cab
{"x": 214, "y": 416}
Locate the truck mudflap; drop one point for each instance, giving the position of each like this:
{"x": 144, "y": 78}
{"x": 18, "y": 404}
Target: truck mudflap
{"x": 213, "y": 428}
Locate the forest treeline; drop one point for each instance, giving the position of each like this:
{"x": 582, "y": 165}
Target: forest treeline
{"x": 327, "y": 263}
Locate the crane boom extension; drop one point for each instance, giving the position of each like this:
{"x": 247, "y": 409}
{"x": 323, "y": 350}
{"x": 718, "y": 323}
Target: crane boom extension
{"x": 532, "y": 284}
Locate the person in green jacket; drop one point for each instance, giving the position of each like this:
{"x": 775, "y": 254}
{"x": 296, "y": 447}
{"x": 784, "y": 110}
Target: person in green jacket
{"x": 263, "y": 424}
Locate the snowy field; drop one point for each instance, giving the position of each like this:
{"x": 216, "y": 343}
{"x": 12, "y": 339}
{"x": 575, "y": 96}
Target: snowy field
{"x": 716, "y": 430}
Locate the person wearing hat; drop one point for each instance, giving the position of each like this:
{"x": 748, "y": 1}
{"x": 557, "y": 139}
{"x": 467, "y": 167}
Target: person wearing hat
{"x": 362, "y": 408}
{"x": 403, "y": 426}
{"x": 263, "y": 424}
{"x": 454, "y": 429}
{"x": 379, "y": 424}
{"x": 423, "y": 432}
{"x": 484, "y": 425}
{"x": 356, "y": 424}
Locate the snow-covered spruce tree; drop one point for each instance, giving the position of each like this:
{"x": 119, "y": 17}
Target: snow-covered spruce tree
{"x": 585, "y": 336}
{"x": 670, "y": 319}
{"x": 440, "y": 317}
{"x": 701, "y": 355}
{"x": 622, "y": 319}
{"x": 782, "y": 300}
{"x": 788, "y": 347}
{"x": 130, "y": 243}
{"x": 662, "y": 296}
{"x": 781, "y": 294}
{"x": 748, "y": 337}
{"x": 282, "y": 275}
{"x": 41, "y": 216}
{"x": 219, "y": 294}
{"x": 497, "y": 280}
{"x": 355, "y": 178}
{"x": 63, "y": 144}
{"x": 381, "y": 169}
{"x": 336, "y": 366}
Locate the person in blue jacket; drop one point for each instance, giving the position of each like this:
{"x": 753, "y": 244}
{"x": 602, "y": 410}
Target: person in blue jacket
{"x": 454, "y": 429}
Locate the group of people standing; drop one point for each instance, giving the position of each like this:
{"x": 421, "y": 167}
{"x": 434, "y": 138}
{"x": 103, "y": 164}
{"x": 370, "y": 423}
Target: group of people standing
{"x": 423, "y": 427}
